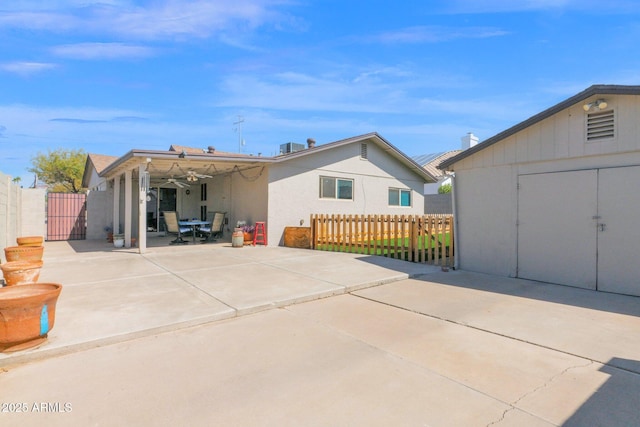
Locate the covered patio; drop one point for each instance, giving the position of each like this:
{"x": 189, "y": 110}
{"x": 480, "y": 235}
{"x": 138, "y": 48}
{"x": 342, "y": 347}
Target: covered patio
{"x": 191, "y": 182}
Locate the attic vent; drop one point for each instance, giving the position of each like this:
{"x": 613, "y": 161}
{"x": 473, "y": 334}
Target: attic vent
{"x": 600, "y": 125}
{"x": 363, "y": 151}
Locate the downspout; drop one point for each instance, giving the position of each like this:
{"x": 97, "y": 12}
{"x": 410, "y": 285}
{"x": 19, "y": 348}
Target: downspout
{"x": 456, "y": 232}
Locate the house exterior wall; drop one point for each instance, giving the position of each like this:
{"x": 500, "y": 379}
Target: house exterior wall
{"x": 95, "y": 182}
{"x": 249, "y": 197}
{"x": 294, "y": 187}
{"x": 486, "y": 182}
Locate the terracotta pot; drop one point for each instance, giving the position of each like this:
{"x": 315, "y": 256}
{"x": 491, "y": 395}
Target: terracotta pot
{"x": 23, "y": 253}
{"x": 27, "y": 314}
{"x": 30, "y": 241}
{"x": 21, "y": 272}
{"x": 248, "y": 238}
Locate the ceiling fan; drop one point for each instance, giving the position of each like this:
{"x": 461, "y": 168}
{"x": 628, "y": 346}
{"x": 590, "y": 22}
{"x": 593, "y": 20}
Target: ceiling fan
{"x": 193, "y": 176}
{"x": 175, "y": 182}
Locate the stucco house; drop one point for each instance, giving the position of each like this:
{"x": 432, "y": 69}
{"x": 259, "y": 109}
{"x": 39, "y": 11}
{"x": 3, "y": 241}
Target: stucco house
{"x": 358, "y": 175}
{"x": 555, "y": 198}
{"x": 93, "y": 167}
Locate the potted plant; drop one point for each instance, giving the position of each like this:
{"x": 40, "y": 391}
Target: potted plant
{"x": 109, "y": 232}
{"x": 118, "y": 240}
{"x": 247, "y": 231}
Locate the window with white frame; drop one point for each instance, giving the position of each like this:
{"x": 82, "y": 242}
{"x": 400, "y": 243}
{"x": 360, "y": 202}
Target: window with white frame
{"x": 399, "y": 197}
{"x": 336, "y": 188}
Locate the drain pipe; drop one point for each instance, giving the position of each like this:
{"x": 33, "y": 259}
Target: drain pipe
{"x": 456, "y": 232}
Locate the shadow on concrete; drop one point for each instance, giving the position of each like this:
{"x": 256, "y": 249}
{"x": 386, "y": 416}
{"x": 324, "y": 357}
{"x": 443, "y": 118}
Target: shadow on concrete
{"x": 616, "y": 402}
{"x": 548, "y": 292}
{"x": 100, "y": 245}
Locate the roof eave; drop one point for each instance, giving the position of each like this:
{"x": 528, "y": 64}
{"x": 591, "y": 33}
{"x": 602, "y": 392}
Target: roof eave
{"x": 587, "y": 93}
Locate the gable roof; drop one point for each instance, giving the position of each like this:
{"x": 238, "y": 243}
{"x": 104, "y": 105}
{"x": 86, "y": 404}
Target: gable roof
{"x": 430, "y": 162}
{"x": 134, "y": 157}
{"x": 99, "y": 162}
{"x": 587, "y": 93}
{"x": 368, "y": 137}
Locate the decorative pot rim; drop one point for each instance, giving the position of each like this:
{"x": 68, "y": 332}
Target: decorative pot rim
{"x": 30, "y": 238}
{"x": 28, "y": 295}
{"x": 23, "y": 248}
{"x": 21, "y": 265}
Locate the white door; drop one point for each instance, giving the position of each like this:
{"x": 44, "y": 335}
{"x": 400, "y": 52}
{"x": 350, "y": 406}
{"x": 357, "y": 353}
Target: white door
{"x": 557, "y": 230}
{"x": 619, "y": 235}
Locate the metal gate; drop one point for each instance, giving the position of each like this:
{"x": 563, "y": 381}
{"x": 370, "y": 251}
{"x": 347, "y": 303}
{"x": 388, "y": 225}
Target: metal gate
{"x": 66, "y": 216}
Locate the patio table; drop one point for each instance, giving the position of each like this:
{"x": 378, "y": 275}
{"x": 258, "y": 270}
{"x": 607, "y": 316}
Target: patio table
{"x": 194, "y": 224}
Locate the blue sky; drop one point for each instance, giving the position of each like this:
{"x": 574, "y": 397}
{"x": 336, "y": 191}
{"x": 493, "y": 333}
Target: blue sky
{"x": 112, "y": 75}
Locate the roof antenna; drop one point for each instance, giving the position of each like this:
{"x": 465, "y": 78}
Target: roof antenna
{"x": 239, "y": 130}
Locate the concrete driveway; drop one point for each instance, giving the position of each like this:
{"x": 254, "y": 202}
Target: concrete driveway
{"x": 214, "y": 335}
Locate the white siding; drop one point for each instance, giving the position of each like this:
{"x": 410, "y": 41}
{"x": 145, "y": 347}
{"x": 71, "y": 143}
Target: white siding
{"x": 486, "y": 182}
{"x": 485, "y": 202}
{"x": 294, "y": 186}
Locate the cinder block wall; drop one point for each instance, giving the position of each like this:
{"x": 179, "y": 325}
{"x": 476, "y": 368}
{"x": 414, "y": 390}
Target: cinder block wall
{"x": 22, "y": 211}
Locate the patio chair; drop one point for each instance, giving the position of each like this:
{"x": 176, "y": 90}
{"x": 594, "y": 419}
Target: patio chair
{"x": 173, "y": 227}
{"x": 216, "y": 228}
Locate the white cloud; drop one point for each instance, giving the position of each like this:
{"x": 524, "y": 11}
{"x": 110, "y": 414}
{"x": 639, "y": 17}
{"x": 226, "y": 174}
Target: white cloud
{"x": 393, "y": 90}
{"x": 501, "y": 6}
{"x": 168, "y": 19}
{"x": 26, "y": 68}
{"x": 102, "y": 51}
{"x": 435, "y": 34}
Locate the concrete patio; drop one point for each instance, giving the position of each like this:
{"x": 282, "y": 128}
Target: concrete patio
{"x": 111, "y": 295}
{"x": 188, "y": 336}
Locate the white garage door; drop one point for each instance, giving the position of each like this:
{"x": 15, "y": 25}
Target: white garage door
{"x": 581, "y": 228}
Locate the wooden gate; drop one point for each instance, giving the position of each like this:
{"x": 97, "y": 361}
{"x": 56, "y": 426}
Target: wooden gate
{"x": 66, "y": 216}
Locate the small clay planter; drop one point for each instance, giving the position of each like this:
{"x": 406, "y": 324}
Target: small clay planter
{"x": 27, "y": 314}
{"x": 248, "y": 238}
{"x": 23, "y": 253}
{"x": 21, "y": 272}
{"x": 30, "y": 241}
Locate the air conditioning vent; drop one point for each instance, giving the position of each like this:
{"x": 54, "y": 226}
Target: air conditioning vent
{"x": 600, "y": 125}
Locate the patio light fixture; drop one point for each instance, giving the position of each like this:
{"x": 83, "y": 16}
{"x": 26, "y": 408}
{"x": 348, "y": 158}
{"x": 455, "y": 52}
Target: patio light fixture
{"x": 597, "y": 105}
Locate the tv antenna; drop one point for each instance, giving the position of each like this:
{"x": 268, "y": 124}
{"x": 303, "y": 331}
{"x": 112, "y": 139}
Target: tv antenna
{"x": 239, "y": 130}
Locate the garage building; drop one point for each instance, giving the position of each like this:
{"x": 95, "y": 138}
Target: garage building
{"x": 556, "y": 198}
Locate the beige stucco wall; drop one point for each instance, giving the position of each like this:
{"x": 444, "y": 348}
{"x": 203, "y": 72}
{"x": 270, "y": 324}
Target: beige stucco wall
{"x": 294, "y": 186}
{"x": 249, "y": 196}
{"x": 486, "y": 194}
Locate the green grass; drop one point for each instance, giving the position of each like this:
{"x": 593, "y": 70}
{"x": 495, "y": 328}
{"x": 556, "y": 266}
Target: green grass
{"x": 382, "y": 247}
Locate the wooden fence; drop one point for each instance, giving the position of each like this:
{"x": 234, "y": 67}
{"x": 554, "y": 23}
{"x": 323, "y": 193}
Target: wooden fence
{"x": 416, "y": 238}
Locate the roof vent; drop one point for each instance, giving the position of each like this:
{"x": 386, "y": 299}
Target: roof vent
{"x": 211, "y": 149}
{"x": 600, "y": 125}
{"x": 311, "y": 142}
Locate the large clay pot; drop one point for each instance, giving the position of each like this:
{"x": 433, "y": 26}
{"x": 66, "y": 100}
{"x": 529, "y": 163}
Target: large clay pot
{"x": 23, "y": 253}
{"x": 30, "y": 241}
{"x": 21, "y": 272}
{"x": 27, "y": 314}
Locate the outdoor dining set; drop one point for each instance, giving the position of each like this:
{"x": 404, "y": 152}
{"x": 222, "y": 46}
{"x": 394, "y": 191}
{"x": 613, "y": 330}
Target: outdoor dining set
{"x": 208, "y": 229}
